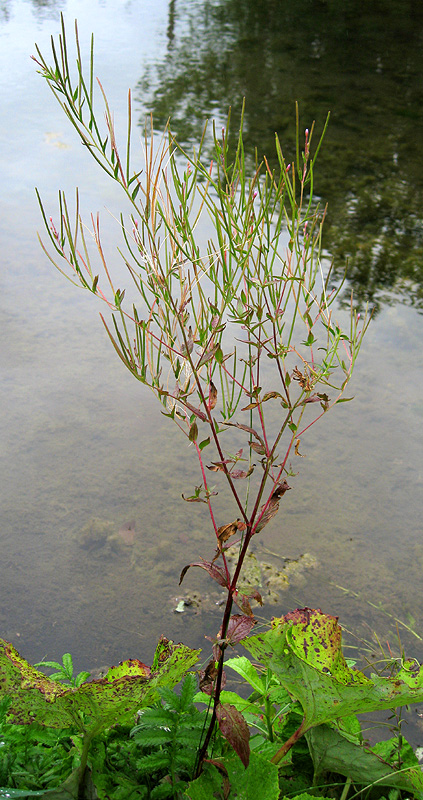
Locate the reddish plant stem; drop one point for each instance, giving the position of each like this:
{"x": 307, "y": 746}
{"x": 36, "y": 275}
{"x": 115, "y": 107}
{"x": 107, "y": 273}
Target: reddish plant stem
{"x": 225, "y": 622}
{"x": 289, "y": 743}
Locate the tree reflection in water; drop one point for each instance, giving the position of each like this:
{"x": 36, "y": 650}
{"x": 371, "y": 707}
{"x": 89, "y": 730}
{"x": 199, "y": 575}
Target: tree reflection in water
{"x": 361, "y": 62}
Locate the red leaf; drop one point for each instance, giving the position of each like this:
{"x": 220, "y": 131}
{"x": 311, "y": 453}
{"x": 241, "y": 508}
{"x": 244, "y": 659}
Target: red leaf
{"x": 197, "y": 411}
{"x": 207, "y": 355}
{"x": 235, "y": 730}
{"x": 304, "y": 615}
{"x": 258, "y": 448}
{"x": 238, "y": 628}
{"x": 245, "y": 428}
{"x": 242, "y": 473}
{"x": 215, "y": 572}
{"x": 313, "y": 398}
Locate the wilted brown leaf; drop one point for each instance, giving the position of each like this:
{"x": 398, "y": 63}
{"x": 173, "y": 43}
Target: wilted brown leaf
{"x": 225, "y": 532}
{"x": 208, "y": 677}
{"x": 212, "y": 396}
{"x": 249, "y": 407}
{"x": 324, "y": 400}
{"x": 270, "y": 396}
{"x": 267, "y": 515}
{"x": 297, "y": 451}
{"x": 243, "y": 428}
{"x": 241, "y": 600}
{"x": 219, "y": 466}
{"x": 271, "y": 508}
{"x": 302, "y": 378}
{"x": 187, "y": 348}
{"x": 280, "y": 489}
{"x": 257, "y": 597}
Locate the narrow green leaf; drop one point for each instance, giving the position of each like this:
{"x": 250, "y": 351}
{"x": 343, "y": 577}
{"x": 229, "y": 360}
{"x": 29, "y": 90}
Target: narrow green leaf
{"x": 219, "y": 355}
{"x": 244, "y": 667}
{"x": 68, "y": 664}
{"x": 193, "y": 432}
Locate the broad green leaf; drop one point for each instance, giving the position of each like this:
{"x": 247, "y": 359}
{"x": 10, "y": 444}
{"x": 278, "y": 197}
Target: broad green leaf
{"x": 243, "y": 705}
{"x": 331, "y": 752}
{"x": 304, "y": 650}
{"x": 259, "y": 780}
{"x": 243, "y": 666}
{"x": 106, "y": 701}
{"x": 302, "y": 796}
{"x": 206, "y": 786}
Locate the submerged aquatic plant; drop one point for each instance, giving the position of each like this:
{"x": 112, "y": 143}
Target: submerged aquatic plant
{"x": 229, "y": 318}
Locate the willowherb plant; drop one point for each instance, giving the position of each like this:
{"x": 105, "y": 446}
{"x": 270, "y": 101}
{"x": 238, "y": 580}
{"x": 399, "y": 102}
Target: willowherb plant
{"x": 236, "y": 335}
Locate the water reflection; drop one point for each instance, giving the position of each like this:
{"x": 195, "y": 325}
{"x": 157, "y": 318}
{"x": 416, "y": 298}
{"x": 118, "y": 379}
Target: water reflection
{"x": 43, "y": 9}
{"x": 5, "y": 10}
{"x": 363, "y": 64}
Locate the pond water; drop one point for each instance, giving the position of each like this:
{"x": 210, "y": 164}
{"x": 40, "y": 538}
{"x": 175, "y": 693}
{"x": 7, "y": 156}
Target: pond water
{"x": 84, "y": 448}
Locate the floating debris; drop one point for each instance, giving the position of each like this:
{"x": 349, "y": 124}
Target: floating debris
{"x": 195, "y": 602}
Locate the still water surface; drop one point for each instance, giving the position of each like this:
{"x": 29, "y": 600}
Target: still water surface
{"x": 84, "y": 448}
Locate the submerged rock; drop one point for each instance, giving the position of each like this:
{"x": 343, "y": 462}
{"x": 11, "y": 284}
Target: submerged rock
{"x": 269, "y": 579}
{"x": 95, "y": 534}
{"x": 100, "y": 536}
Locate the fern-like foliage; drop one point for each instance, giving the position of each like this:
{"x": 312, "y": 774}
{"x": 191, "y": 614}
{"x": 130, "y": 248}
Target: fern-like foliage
{"x": 171, "y": 732}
